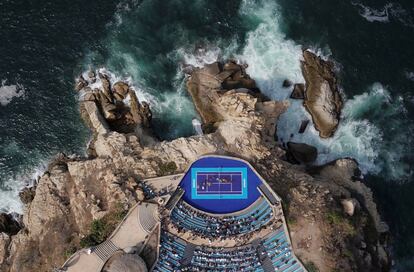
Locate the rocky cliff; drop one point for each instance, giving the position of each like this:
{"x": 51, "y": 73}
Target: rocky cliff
{"x": 321, "y": 96}
{"x": 332, "y": 218}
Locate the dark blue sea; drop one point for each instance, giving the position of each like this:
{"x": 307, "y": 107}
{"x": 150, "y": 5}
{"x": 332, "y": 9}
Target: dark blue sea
{"x": 44, "y": 45}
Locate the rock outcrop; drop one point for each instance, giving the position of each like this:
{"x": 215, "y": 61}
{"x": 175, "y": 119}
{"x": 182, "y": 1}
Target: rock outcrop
{"x": 322, "y": 98}
{"x": 301, "y": 153}
{"x": 8, "y": 224}
{"x": 205, "y": 85}
{"x": 102, "y": 100}
{"x": 298, "y": 91}
{"x": 74, "y": 191}
{"x": 349, "y": 205}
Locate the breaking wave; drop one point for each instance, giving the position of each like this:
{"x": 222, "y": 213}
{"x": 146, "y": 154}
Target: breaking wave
{"x": 390, "y": 11}
{"x": 272, "y": 58}
{"x": 10, "y": 189}
{"x": 9, "y": 92}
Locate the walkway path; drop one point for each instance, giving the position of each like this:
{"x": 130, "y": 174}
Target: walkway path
{"x": 132, "y": 231}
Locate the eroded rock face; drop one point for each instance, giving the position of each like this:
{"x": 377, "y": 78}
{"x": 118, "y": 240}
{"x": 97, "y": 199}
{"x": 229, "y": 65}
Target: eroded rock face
{"x": 107, "y": 102}
{"x": 205, "y": 84}
{"x": 298, "y": 91}
{"x": 4, "y": 244}
{"x": 8, "y": 224}
{"x": 301, "y": 153}
{"x": 322, "y": 97}
{"x": 27, "y": 195}
{"x": 121, "y": 90}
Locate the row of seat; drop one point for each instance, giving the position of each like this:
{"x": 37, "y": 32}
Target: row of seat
{"x": 274, "y": 249}
{"x": 171, "y": 253}
{"x": 185, "y": 217}
{"x": 279, "y": 251}
{"x": 231, "y": 260}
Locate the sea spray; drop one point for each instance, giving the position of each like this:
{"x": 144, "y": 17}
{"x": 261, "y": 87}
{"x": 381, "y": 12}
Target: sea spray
{"x": 272, "y": 58}
{"x": 10, "y": 189}
{"x": 10, "y": 92}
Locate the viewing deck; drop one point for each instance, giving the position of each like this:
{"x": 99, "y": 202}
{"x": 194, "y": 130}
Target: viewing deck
{"x": 221, "y": 217}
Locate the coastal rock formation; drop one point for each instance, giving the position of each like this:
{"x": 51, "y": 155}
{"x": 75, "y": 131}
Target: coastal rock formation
{"x": 76, "y": 190}
{"x": 349, "y": 206}
{"x": 8, "y": 224}
{"x": 206, "y": 83}
{"x": 322, "y": 98}
{"x": 286, "y": 83}
{"x": 298, "y": 91}
{"x": 4, "y": 244}
{"x": 301, "y": 153}
{"x": 102, "y": 100}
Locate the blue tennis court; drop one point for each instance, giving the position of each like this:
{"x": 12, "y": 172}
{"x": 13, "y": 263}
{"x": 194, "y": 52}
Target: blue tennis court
{"x": 219, "y": 183}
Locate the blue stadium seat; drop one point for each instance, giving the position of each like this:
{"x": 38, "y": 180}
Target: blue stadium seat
{"x": 186, "y": 217}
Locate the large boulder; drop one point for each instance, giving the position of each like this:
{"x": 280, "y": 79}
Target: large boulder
{"x": 207, "y": 84}
{"x": 120, "y": 89}
{"x": 140, "y": 112}
{"x": 106, "y": 86}
{"x": 303, "y": 126}
{"x": 81, "y": 83}
{"x": 301, "y": 153}
{"x": 92, "y": 76}
{"x": 349, "y": 205}
{"x": 286, "y": 83}
{"x": 322, "y": 98}
{"x": 8, "y": 224}
{"x": 234, "y": 76}
{"x": 108, "y": 108}
{"x": 298, "y": 91}
{"x": 93, "y": 117}
{"x": 27, "y": 194}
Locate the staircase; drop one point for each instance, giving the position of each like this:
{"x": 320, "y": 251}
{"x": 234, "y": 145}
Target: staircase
{"x": 175, "y": 197}
{"x": 105, "y": 250}
{"x": 264, "y": 259}
{"x": 147, "y": 216}
{"x": 188, "y": 254}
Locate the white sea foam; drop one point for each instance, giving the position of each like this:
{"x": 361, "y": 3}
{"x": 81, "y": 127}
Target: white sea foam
{"x": 113, "y": 78}
{"x": 409, "y": 75}
{"x": 10, "y": 189}
{"x": 404, "y": 16}
{"x": 390, "y": 11}
{"x": 374, "y": 15}
{"x": 197, "y": 126}
{"x": 272, "y": 58}
{"x": 207, "y": 54}
{"x": 9, "y": 92}
{"x": 201, "y": 56}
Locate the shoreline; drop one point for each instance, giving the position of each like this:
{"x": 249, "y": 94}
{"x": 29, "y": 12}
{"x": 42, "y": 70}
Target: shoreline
{"x": 76, "y": 190}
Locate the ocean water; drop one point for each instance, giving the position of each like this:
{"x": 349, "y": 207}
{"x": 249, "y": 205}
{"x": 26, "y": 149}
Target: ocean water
{"x": 46, "y": 44}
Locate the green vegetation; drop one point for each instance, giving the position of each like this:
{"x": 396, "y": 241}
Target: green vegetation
{"x": 167, "y": 168}
{"x": 102, "y": 228}
{"x": 311, "y": 267}
{"x": 291, "y": 221}
{"x": 347, "y": 253}
{"x": 69, "y": 252}
{"x": 285, "y": 207}
{"x": 336, "y": 218}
